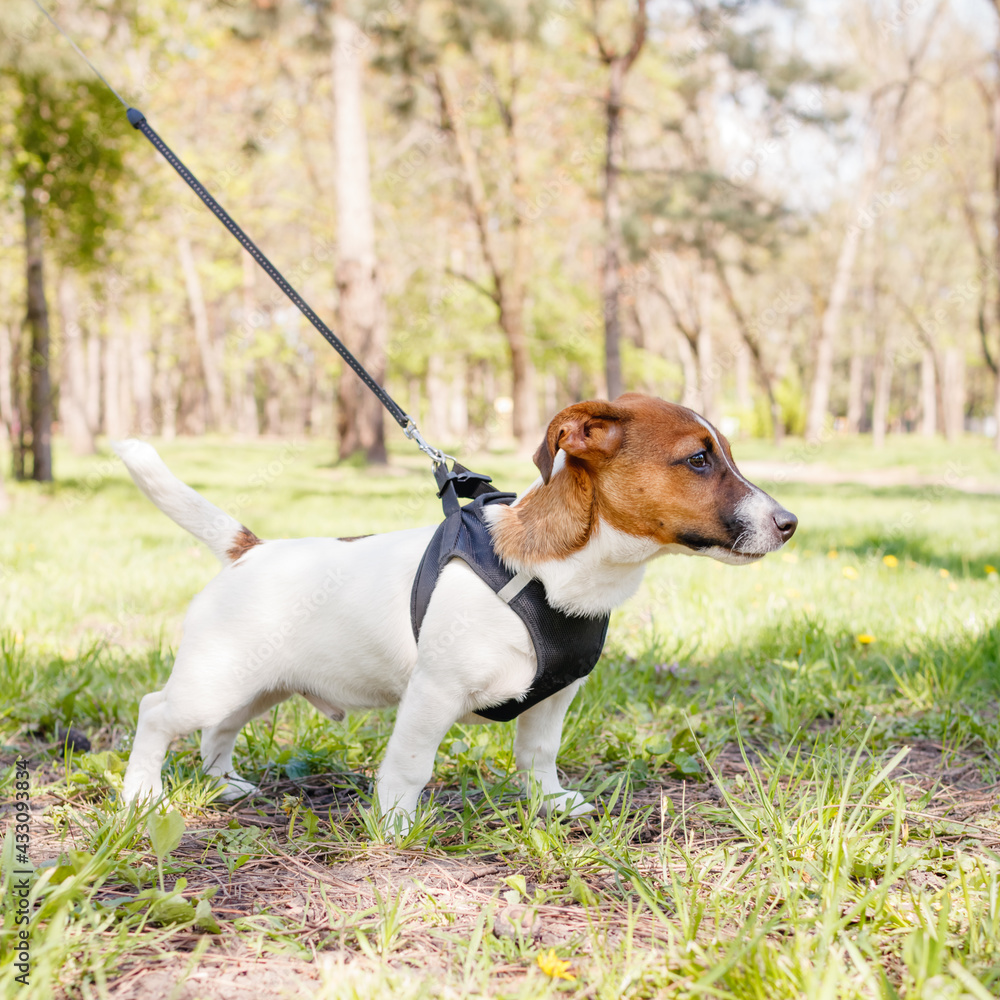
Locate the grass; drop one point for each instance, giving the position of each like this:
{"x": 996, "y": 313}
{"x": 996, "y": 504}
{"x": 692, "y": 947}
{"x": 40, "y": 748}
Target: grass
{"x": 795, "y": 764}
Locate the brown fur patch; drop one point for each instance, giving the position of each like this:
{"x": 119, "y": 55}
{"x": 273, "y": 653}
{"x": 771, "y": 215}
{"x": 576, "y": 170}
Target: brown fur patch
{"x": 625, "y": 464}
{"x": 352, "y": 538}
{"x": 244, "y": 541}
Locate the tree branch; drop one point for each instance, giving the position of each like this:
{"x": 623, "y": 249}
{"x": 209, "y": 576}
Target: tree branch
{"x": 474, "y": 187}
{"x": 468, "y": 279}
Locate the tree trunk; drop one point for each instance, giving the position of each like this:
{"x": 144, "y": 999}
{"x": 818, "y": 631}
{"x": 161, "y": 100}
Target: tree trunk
{"x": 458, "y": 404}
{"x": 7, "y": 417}
{"x": 141, "y": 369}
{"x": 855, "y": 380}
{"x": 203, "y": 334}
{"x": 95, "y": 347}
{"x": 829, "y": 328}
{"x": 115, "y": 420}
{"x": 38, "y": 323}
{"x": 995, "y": 152}
{"x": 272, "y": 403}
{"x": 744, "y": 395}
{"x": 361, "y": 309}
{"x": 763, "y": 374}
{"x": 7, "y": 413}
{"x": 307, "y": 420}
{"x": 437, "y": 416}
{"x": 954, "y": 394}
{"x": 73, "y": 392}
{"x": 510, "y": 283}
{"x": 996, "y": 413}
{"x": 611, "y": 266}
{"x": 691, "y": 393}
{"x": 525, "y": 413}
{"x": 883, "y": 389}
{"x": 21, "y": 418}
{"x": 928, "y": 395}
{"x": 167, "y": 383}
{"x": 707, "y": 376}
{"x": 245, "y": 379}
{"x": 618, "y": 63}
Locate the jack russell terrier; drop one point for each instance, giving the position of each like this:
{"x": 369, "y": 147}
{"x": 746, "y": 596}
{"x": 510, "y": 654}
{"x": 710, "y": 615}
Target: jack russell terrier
{"x": 621, "y": 483}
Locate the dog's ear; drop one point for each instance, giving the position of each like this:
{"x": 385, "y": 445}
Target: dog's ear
{"x": 590, "y": 431}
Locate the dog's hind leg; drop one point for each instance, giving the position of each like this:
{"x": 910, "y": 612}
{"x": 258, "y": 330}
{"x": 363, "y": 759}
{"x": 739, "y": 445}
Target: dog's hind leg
{"x": 539, "y": 731}
{"x": 161, "y": 719}
{"x": 218, "y": 743}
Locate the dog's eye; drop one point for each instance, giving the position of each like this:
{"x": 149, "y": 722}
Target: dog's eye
{"x": 698, "y": 461}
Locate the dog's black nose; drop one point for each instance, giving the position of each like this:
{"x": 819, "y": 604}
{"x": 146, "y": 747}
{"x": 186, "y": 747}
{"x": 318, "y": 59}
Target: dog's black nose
{"x": 785, "y": 521}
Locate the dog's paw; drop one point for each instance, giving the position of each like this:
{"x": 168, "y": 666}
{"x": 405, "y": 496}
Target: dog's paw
{"x": 234, "y": 787}
{"x": 140, "y": 791}
{"x": 568, "y": 804}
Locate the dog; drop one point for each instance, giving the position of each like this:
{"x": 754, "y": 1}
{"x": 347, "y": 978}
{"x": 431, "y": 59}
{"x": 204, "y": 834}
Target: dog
{"x": 620, "y": 483}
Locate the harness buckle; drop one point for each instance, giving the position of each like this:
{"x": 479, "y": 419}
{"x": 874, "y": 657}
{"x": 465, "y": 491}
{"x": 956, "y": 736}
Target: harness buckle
{"x": 465, "y": 483}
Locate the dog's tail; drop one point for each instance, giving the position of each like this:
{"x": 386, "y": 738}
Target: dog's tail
{"x": 224, "y": 535}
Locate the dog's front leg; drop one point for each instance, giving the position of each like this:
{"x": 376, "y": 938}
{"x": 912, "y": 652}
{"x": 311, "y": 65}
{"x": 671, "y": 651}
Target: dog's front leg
{"x": 539, "y": 731}
{"x": 427, "y": 711}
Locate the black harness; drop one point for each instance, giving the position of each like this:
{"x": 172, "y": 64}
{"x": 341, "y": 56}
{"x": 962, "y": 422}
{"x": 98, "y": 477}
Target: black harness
{"x": 566, "y": 647}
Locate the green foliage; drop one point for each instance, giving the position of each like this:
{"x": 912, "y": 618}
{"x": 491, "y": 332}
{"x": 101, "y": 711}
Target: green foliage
{"x": 66, "y": 139}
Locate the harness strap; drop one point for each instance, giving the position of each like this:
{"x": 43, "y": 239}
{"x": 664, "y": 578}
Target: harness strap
{"x": 518, "y": 582}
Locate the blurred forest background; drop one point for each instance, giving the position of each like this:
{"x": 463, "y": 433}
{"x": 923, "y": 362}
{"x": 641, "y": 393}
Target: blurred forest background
{"x": 785, "y": 215}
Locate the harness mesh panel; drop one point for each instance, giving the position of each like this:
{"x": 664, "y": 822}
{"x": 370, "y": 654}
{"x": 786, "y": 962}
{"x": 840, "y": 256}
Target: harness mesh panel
{"x": 566, "y": 647}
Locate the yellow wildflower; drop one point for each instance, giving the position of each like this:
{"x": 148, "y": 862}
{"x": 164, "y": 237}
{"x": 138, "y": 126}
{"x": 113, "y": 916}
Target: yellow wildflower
{"x": 865, "y": 639}
{"x": 832, "y": 554}
{"x": 990, "y": 570}
{"x": 555, "y": 967}
{"x": 850, "y": 572}
{"x": 891, "y": 561}
{"x": 943, "y": 573}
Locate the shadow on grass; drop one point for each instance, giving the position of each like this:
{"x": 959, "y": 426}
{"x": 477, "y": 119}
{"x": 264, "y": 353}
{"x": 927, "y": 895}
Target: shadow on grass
{"x": 649, "y": 714}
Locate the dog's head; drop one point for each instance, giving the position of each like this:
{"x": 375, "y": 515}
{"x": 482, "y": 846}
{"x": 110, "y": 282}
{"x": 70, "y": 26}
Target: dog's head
{"x": 656, "y": 470}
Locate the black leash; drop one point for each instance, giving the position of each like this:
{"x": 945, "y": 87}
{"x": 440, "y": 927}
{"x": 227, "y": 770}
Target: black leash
{"x": 452, "y": 483}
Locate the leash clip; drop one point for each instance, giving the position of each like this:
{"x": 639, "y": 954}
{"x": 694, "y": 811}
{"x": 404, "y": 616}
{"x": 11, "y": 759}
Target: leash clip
{"x": 437, "y": 456}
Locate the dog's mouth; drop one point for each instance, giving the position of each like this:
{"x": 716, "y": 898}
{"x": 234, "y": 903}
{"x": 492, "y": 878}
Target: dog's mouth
{"x": 748, "y": 546}
{"x": 738, "y": 557}
{"x": 728, "y": 554}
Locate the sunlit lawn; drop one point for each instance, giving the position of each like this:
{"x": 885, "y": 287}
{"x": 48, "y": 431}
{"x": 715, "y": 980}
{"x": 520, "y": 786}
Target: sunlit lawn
{"x": 783, "y": 874}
